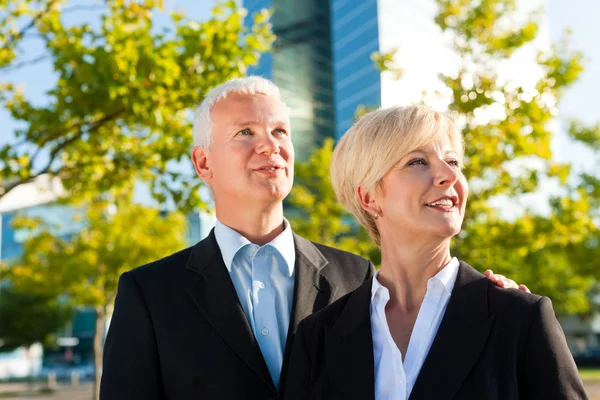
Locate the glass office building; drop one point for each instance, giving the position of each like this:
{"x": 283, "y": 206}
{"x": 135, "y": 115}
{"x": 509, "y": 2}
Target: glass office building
{"x": 355, "y": 37}
{"x": 301, "y": 65}
{"x": 61, "y": 221}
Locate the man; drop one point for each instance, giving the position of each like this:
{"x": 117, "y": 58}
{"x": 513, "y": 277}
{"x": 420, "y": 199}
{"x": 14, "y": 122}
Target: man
{"x": 216, "y": 321}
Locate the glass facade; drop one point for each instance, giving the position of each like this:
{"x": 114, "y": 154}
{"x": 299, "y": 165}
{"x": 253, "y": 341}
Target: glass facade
{"x": 61, "y": 220}
{"x": 355, "y": 36}
{"x": 301, "y": 66}
{"x": 265, "y": 66}
{"x": 66, "y": 221}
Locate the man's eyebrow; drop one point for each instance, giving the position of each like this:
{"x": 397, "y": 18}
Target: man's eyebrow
{"x": 246, "y": 123}
{"x": 250, "y": 123}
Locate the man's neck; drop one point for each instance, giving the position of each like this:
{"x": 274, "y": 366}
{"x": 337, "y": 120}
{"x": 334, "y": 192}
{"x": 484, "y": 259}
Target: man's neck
{"x": 258, "y": 226}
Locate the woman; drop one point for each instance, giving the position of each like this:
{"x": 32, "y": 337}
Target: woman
{"x": 427, "y": 325}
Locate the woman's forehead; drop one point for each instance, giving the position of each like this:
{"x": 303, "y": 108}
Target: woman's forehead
{"x": 440, "y": 143}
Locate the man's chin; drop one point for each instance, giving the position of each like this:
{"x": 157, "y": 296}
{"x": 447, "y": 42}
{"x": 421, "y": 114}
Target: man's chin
{"x": 272, "y": 193}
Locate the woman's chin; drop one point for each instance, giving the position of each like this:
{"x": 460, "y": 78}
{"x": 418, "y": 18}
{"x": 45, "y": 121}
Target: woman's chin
{"x": 448, "y": 231}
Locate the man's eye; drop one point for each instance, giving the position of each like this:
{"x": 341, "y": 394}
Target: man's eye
{"x": 281, "y": 131}
{"x": 245, "y": 132}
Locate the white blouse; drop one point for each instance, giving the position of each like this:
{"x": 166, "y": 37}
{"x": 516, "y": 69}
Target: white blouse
{"x": 394, "y": 379}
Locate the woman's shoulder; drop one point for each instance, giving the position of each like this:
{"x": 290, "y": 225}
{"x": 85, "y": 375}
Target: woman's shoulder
{"x": 514, "y": 304}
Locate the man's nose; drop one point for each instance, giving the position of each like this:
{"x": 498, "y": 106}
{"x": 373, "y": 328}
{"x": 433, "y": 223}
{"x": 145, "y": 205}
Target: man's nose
{"x": 267, "y": 144}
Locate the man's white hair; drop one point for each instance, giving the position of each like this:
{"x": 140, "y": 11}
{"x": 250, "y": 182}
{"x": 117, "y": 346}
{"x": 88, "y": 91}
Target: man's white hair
{"x": 202, "y": 128}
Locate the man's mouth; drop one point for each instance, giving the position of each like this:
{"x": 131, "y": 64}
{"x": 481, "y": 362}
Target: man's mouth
{"x": 270, "y": 169}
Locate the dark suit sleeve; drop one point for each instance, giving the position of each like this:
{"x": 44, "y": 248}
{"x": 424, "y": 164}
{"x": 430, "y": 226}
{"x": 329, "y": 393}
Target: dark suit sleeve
{"x": 131, "y": 367}
{"x": 297, "y": 384}
{"x": 549, "y": 371}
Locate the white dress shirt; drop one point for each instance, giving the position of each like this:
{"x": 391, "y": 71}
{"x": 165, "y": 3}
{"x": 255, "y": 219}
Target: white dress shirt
{"x": 394, "y": 379}
{"x": 263, "y": 277}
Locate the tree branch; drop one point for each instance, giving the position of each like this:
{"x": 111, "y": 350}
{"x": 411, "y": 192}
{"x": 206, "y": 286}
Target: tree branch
{"x": 25, "y": 63}
{"x": 7, "y": 186}
{"x": 93, "y": 127}
{"x": 11, "y": 40}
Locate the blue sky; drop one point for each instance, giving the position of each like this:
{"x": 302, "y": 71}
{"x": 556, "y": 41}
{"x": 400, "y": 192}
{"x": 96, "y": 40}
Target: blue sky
{"x": 578, "y": 15}
{"x": 580, "y": 101}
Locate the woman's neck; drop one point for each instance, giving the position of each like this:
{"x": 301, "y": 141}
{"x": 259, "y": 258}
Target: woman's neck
{"x": 405, "y": 270}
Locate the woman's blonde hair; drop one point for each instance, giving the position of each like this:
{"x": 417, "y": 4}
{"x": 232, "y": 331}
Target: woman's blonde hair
{"x": 377, "y": 142}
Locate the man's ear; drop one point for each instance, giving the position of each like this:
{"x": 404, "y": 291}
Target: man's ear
{"x": 201, "y": 164}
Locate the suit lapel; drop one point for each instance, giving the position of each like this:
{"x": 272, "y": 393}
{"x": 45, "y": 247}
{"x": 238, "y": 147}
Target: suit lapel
{"x": 460, "y": 339}
{"x": 312, "y": 290}
{"x": 211, "y": 289}
{"x": 349, "y": 348}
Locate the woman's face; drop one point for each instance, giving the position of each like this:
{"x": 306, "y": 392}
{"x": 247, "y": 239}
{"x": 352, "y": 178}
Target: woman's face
{"x": 423, "y": 195}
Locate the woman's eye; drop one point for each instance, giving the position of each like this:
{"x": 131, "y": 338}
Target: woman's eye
{"x": 455, "y": 163}
{"x": 245, "y": 132}
{"x": 418, "y": 161}
{"x": 280, "y": 131}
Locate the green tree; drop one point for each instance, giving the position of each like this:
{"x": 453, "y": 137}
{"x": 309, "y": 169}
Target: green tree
{"x": 119, "y": 111}
{"x": 534, "y": 248}
{"x": 86, "y": 267}
{"x": 28, "y": 318}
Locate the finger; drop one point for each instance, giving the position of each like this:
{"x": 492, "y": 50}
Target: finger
{"x": 524, "y": 288}
{"x": 499, "y": 282}
{"x": 510, "y": 284}
{"x": 488, "y": 273}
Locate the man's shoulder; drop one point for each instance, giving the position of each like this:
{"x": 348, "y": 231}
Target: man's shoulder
{"x": 333, "y": 253}
{"x": 344, "y": 263}
{"x": 165, "y": 266}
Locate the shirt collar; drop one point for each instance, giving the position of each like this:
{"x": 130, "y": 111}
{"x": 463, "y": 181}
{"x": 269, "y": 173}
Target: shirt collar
{"x": 230, "y": 242}
{"x": 446, "y": 276}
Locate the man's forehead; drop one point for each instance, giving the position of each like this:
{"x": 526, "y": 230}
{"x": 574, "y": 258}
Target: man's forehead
{"x": 259, "y": 121}
{"x": 248, "y": 99}
{"x": 245, "y": 109}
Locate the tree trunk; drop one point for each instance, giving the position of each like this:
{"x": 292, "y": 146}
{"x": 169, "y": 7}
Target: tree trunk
{"x": 31, "y": 367}
{"x": 98, "y": 337}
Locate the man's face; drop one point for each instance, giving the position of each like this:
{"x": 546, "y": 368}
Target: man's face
{"x": 252, "y": 158}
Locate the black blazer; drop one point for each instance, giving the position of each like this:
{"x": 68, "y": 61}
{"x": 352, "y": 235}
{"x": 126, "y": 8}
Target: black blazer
{"x": 492, "y": 343}
{"x": 179, "y": 331}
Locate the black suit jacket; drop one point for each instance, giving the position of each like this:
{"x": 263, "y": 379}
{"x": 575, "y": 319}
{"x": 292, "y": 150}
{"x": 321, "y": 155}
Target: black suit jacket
{"x": 492, "y": 343}
{"x": 179, "y": 332}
